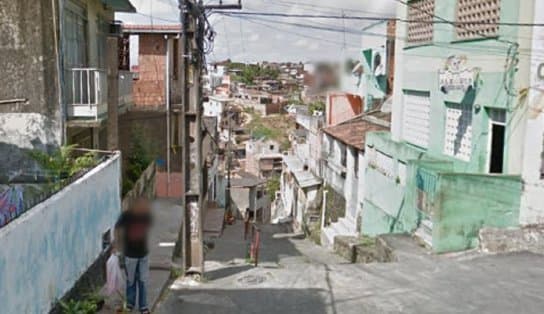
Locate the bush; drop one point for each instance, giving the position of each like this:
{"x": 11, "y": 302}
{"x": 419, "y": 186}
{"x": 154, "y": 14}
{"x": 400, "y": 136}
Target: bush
{"x": 61, "y": 163}
{"x": 137, "y": 162}
{"x": 78, "y": 307}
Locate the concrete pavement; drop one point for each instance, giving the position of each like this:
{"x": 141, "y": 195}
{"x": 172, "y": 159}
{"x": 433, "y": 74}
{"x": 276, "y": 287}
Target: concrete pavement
{"x": 296, "y": 276}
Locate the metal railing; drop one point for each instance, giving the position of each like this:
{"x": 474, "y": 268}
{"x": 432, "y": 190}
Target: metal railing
{"x": 88, "y": 93}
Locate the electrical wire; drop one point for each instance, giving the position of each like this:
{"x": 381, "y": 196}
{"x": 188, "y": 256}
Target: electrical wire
{"x": 381, "y": 18}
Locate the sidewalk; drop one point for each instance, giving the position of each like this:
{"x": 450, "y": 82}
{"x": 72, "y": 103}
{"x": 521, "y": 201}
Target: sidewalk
{"x": 167, "y": 215}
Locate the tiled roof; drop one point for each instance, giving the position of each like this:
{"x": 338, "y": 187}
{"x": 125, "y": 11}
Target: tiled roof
{"x": 151, "y": 29}
{"x": 353, "y": 132}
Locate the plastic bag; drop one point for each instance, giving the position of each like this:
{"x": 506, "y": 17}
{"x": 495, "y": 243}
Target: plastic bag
{"x": 115, "y": 277}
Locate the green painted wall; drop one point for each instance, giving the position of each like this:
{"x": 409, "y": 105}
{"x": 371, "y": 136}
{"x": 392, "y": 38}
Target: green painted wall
{"x": 462, "y": 197}
{"x": 466, "y": 203}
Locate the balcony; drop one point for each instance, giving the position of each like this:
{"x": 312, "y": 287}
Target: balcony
{"x": 87, "y": 95}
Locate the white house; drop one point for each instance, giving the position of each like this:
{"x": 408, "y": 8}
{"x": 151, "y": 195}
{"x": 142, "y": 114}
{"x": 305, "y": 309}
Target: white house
{"x": 215, "y": 106}
{"x": 344, "y": 162}
{"x": 532, "y": 199}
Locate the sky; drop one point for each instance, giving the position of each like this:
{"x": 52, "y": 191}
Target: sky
{"x": 265, "y": 39}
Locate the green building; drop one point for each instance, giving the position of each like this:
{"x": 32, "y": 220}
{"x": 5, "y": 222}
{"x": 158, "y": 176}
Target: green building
{"x": 453, "y": 160}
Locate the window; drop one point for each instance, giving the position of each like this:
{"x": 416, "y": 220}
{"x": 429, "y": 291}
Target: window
{"x": 343, "y": 156}
{"x": 458, "y": 131}
{"x": 271, "y": 147}
{"x": 356, "y": 163}
{"x": 75, "y": 36}
{"x": 420, "y": 27}
{"x": 176, "y": 59}
{"x": 417, "y": 118}
{"x": 485, "y": 14}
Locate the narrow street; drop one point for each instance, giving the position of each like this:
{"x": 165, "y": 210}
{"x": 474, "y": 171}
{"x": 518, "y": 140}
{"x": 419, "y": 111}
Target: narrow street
{"x": 296, "y": 276}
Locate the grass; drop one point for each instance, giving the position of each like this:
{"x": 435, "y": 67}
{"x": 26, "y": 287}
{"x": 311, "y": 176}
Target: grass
{"x": 276, "y": 127}
{"x": 367, "y": 241}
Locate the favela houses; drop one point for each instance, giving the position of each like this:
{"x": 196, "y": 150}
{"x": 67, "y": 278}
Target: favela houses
{"x": 287, "y": 156}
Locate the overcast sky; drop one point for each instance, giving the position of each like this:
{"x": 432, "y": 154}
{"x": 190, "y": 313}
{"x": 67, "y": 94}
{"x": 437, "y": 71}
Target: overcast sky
{"x": 258, "y": 40}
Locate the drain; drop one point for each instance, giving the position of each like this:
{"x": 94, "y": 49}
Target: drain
{"x": 251, "y": 280}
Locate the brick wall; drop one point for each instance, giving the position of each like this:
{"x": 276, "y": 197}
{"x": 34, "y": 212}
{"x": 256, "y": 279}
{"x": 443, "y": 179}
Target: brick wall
{"x": 149, "y": 88}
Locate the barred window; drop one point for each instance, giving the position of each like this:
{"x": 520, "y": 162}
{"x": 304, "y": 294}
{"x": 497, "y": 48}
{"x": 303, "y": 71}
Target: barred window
{"x": 420, "y": 27}
{"x": 478, "y": 18}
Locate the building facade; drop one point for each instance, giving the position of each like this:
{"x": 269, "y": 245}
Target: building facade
{"x": 452, "y": 162}
{"x": 59, "y": 86}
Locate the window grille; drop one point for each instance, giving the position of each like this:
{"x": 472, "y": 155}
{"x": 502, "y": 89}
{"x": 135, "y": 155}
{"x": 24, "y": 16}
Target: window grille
{"x": 420, "y": 27}
{"x": 458, "y": 137}
{"x": 417, "y": 119}
{"x": 478, "y": 18}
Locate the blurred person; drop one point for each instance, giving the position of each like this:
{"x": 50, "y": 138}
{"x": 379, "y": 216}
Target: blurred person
{"x": 132, "y": 233}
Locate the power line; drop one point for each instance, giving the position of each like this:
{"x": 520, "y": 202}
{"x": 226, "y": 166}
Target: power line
{"x": 499, "y": 51}
{"x": 382, "y": 18}
{"x": 329, "y": 28}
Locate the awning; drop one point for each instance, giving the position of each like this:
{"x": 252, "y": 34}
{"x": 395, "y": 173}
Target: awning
{"x": 120, "y": 5}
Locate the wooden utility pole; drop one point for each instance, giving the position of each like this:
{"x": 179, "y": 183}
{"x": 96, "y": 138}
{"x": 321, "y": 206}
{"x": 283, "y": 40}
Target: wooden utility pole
{"x": 189, "y": 250}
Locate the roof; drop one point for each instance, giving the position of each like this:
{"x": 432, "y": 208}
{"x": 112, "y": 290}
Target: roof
{"x": 246, "y": 180}
{"x": 121, "y": 6}
{"x": 151, "y": 29}
{"x": 306, "y": 179}
{"x": 293, "y": 163}
{"x": 353, "y": 132}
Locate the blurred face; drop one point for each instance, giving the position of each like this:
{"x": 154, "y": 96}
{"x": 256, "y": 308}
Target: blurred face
{"x": 141, "y": 206}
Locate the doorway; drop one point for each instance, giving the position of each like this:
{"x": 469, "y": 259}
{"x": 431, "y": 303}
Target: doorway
{"x": 496, "y": 158}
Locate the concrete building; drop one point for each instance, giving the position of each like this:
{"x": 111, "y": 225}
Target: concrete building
{"x": 306, "y": 144}
{"x": 155, "y": 117}
{"x": 452, "y": 162}
{"x": 248, "y": 196}
{"x": 300, "y": 196}
{"x": 216, "y": 107}
{"x": 344, "y": 162}
{"x": 532, "y": 200}
{"x": 60, "y": 80}
{"x": 158, "y": 51}
{"x": 263, "y": 158}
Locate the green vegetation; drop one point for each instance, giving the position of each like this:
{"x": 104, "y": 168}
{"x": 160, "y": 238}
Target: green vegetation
{"x": 275, "y": 128}
{"x": 137, "y": 162}
{"x": 250, "y": 72}
{"x": 79, "y": 307}
{"x": 366, "y": 241}
{"x": 335, "y": 206}
{"x": 316, "y": 106}
{"x": 273, "y": 186}
{"x": 61, "y": 163}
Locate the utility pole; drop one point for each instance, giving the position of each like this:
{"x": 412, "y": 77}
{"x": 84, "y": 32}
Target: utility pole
{"x": 189, "y": 249}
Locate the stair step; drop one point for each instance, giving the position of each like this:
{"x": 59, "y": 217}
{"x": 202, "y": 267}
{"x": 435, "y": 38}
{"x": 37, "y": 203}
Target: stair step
{"x": 425, "y": 236}
{"x": 428, "y": 224}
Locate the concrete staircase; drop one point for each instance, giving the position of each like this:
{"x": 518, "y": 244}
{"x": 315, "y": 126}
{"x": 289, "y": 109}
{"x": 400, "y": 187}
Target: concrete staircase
{"x": 344, "y": 227}
{"x": 425, "y": 232}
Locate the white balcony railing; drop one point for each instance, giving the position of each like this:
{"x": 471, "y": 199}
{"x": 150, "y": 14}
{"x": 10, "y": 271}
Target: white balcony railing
{"x": 88, "y": 93}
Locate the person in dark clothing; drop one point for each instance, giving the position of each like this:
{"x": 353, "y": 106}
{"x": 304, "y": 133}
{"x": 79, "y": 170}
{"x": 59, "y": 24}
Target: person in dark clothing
{"x": 132, "y": 231}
